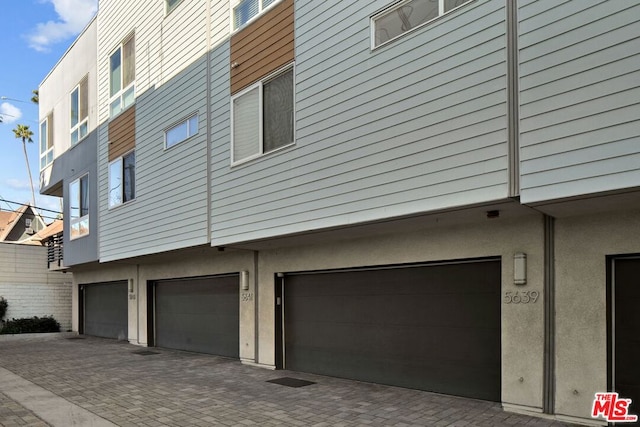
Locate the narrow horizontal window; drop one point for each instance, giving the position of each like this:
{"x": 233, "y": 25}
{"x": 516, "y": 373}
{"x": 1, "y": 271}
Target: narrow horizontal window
{"x": 407, "y": 15}
{"x": 244, "y": 11}
{"x": 181, "y": 132}
{"x": 171, "y": 4}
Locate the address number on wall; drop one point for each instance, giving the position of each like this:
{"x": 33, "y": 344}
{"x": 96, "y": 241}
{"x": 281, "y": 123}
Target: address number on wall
{"x": 524, "y": 297}
{"x": 247, "y": 296}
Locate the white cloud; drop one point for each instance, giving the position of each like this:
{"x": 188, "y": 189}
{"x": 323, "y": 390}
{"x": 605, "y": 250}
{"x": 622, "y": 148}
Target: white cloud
{"x": 17, "y": 184}
{"x": 73, "y": 15}
{"x": 9, "y": 112}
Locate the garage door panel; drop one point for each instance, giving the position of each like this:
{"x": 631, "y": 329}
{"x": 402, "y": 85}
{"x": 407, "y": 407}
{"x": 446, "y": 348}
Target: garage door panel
{"x": 402, "y": 310}
{"x": 105, "y": 310}
{"x": 444, "y": 376}
{"x": 200, "y": 315}
{"x": 434, "y": 328}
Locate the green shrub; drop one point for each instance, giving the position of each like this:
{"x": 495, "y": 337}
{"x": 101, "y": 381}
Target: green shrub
{"x": 3, "y": 307}
{"x": 31, "y": 325}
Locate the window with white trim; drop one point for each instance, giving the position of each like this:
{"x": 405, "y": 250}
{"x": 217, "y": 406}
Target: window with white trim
{"x": 80, "y": 111}
{"x": 46, "y": 141}
{"x": 170, "y": 5}
{"x": 262, "y": 117}
{"x": 244, "y": 11}
{"x": 79, "y": 207}
{"x": 404, "y": 16}
{"x": 122, "y": 76}
{"x": 181, "y": 131}
{"x": 122, "y": 179}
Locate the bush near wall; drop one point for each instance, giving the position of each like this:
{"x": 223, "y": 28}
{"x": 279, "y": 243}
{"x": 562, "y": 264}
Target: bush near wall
{"x": 30, "y": 325}
{"x": 3, "y": 307}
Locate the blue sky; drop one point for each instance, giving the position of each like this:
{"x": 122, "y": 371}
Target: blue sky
{"x": 34, "y": 35}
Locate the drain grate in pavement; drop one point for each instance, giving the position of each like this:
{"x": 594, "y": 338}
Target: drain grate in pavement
{"x": 145, "y": 352}
{"x": 291, "y": 382}
{"x": 75, "y": 338}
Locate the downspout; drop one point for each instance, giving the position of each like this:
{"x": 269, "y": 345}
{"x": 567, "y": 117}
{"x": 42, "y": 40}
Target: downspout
{"x": 549, "y": 389}
{"x": 513, "y": 103}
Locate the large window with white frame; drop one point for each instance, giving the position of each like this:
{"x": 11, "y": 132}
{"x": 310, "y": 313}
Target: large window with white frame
{"x": 80, "y": 111}
{"x": 122, "y": 179}
{"x": 181, "y": 131}
{"x": 407, "y": 15}
{"x": 262, "y": 117}
{"x": 79, "y": 207}
{"x": 244, "y": 11}
{"x": 46, "y": 141}
{"x": 170, "y": 5}
{"x": 122, "y": 76}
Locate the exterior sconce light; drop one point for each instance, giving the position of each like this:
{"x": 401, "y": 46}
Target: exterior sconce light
{"x": 244, "y": 280}
{"x": 520, "y": 268}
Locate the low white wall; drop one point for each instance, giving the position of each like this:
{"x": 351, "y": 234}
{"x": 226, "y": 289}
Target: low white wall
{"x": 30, "y": 288}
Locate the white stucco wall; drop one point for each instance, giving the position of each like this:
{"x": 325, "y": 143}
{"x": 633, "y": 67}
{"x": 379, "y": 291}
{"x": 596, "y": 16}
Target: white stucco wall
{"x": 582, "y": 246}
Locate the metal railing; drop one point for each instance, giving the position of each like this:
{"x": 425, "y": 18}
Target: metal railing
{"x": 54, "y": 251}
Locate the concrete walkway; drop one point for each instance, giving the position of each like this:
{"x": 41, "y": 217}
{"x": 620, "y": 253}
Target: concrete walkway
{"x": 94, "y": 382}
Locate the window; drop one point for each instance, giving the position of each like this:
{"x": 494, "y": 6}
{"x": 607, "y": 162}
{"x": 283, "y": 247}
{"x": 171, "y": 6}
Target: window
{"x": 79, "y": 207}
{"x": 245, "y": 10}
{"x": 171, "y": 4}
{"x": 262, "y": 117}
{"x": 180, "y": 132}
{"x": 122, "y": 75}
{"x": 122, "y": 179}
{"x": 407, "y": 15}
{"x": 46, "y": 141}
{"x": 79, "y": 111}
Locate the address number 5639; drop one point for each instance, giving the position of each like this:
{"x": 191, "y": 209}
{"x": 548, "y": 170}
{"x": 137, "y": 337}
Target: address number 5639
{"x": 524, "y": 297}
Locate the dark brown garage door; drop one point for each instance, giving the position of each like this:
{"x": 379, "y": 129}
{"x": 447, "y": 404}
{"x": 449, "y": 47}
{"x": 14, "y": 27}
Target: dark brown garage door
{"x": 105, "y": 310}
{"x": 428, "y": 327}
{"x": 200, "y": 315}
{"x": 627, "y": 331}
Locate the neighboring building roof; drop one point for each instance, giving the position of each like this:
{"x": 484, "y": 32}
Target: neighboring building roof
{"x": 9, "y": 219}
{"x": 50, "y": 230}
{"x": 5, "y": 220}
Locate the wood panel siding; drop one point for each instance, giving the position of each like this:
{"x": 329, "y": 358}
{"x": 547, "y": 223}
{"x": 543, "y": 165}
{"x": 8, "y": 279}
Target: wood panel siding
{"x": 415, "y": 126}
{"x": 579, "y": 67}
{"x": 122, "y": 133}
{"x": 263, "y": 46}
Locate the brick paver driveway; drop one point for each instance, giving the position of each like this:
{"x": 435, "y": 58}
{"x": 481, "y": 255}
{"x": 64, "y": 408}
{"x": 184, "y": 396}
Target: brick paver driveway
{"x": 171, "y": 388}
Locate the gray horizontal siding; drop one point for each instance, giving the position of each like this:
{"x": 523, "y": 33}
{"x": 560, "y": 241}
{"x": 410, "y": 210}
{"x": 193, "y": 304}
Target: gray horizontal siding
{"x": 170, "y": 209}
{"x": 415, "y": 126}
{"x": 580, "y": 86}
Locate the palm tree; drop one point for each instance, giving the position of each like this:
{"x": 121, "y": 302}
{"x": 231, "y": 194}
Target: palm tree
{"x": 23, "y": 132}
{"x": 36, "y": 96}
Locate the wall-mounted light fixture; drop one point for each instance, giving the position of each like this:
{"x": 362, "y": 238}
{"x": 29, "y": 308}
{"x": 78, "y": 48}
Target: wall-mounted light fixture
{"x": 130, "y": 286}
{"x": 244, "y": 280}
{"x": 520, "y": 268}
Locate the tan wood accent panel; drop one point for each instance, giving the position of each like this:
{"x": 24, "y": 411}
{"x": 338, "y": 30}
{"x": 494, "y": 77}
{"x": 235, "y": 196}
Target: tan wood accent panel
{"x": 262, "y": 46}
{"x": 122, "y": 133}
